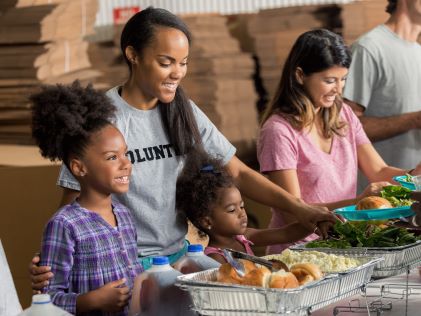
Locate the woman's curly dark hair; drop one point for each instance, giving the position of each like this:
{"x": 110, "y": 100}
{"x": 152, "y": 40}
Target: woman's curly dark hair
{"x": 65, "y": 116}
{"x": 198, "y": 185}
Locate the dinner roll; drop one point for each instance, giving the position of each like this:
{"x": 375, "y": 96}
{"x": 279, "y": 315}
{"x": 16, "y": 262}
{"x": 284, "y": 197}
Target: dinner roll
{"x": 257, "y": 277}
{"x": 227, "y": 274}
{"x": 373, "y": 202}
{"x": 283, "y": 280}
{"x": 306, "y": 272}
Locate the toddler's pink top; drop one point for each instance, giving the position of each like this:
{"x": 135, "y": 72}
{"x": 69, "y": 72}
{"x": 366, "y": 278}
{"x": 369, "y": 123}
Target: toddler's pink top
{"x": 323, "y": 177}
{"x": 241, "y": 238}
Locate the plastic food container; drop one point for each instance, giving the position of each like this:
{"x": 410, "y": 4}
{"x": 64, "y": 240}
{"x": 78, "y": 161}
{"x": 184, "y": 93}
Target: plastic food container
{"x": 350, "y": 213}
{"x": 402, "y": 181}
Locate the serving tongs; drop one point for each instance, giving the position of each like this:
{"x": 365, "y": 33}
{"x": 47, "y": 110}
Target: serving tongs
{"x": 237, "y": 265}
{"x": 273, "y": 264}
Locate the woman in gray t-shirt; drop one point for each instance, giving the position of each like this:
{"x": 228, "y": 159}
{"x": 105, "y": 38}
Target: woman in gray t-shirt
{"x": 161, "y": 125}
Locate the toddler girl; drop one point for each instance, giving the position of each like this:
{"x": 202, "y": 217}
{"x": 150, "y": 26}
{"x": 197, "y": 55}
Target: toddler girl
{"x": 90, "y": 244}
{"x": 208, "y": 197}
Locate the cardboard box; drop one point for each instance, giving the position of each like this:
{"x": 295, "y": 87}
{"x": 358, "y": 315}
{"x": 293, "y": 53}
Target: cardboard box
{"x": 29, "y": 196}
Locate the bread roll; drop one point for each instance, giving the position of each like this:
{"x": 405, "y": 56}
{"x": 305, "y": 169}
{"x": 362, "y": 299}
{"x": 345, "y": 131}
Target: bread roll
{"x": 282, "y": 280}
{"x": 257, "y": 277}
{"x": 373, "y": 202}
{"x": 300, "y": 274}
{"x": 306, "y": 272}
{"x": 227, "y": 274}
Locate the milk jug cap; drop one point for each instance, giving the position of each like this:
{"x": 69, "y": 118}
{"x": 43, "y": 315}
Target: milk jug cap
{"x": 195, "y": 248}
{"x": 41, "y": 299}
{"x": 161, "y": 260}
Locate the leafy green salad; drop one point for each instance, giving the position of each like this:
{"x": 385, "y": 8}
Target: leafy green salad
{"x": 408, "y": 178}
{"x": 365, "y": 234}
{"x": 397, "y": 195}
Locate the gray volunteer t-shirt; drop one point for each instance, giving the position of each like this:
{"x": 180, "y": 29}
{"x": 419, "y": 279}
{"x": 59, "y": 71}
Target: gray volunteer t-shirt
{"x": 385, "y": 78}
{"x": 151, "y": 197}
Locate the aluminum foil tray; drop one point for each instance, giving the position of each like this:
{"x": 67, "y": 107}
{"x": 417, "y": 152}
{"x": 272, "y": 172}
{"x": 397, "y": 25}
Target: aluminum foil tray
{"x": 396, "y": 259}
{"x": 213, "y": 298}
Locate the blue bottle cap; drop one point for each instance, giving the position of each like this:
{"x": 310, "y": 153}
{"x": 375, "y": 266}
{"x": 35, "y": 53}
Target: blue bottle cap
{"x": 159, "y": 261}
{"x": 195, "y": 248}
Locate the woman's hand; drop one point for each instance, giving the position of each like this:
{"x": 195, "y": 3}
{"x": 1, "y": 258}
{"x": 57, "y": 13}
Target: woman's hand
{"x": 373, "y": 189}
{"x": 40, "y": 276}
{"x": 314, "y": 216}
{"x": 322, "y": 229}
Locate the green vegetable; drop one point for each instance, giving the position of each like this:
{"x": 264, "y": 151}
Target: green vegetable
{"x": 408, "y": 178}
{"x": 364, "y": 234}
{"x": 397, "y": 195}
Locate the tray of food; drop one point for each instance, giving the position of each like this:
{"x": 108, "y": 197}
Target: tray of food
{"x": 220, "y": 292}
{"x": 394, "y": 202}
{"x": 400, "y": 248}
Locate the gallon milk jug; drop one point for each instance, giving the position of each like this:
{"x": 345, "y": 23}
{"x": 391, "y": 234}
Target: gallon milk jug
{"x": 42, "y": 306}
{"x": 195, "y": 260}
{"x": 155, "y": 294}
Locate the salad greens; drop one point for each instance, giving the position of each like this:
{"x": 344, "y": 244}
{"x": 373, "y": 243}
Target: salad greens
{"x": 408, "y": 178}
{"x": 397, "y": 195}
{"x": 365, "y": 234}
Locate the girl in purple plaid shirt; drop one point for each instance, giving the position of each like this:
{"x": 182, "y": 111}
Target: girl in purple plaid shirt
{"x": 90, "y": 244}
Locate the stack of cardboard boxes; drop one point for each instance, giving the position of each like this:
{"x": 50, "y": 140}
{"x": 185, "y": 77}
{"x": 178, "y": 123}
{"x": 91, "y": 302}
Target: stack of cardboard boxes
{"x": 220, "y": 81}
{"x": 274, "y": 32}
{"x": 41, "y": 41}
{"x": 370, "y": 13}
{"x": 106, "y": 57}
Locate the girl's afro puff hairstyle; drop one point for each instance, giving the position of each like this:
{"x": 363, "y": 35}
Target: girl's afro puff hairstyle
{"x": 198, "y": 184}
{"x": 65, "y": 116}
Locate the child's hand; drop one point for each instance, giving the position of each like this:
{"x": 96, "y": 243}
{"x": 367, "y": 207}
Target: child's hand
{"x": 40, "y": 276}
{"x": 113, "y": 296}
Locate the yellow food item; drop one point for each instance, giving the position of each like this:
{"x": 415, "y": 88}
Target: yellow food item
{"x": 328, "y": 263}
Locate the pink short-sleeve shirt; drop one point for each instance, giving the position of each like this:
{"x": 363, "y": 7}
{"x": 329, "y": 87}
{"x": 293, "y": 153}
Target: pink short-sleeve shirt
{"x": 323, "y": 177}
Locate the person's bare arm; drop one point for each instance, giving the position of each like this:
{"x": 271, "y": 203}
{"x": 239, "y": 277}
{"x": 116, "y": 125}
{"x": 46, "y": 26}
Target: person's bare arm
{"x": 288, "y": 180}
{"x": 258, "y": 188}
{"x": 380, "y": 128}
{"x": 273, "y": 236}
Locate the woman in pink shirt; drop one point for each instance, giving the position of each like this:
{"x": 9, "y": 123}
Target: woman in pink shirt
{"x": 311, "y": 143}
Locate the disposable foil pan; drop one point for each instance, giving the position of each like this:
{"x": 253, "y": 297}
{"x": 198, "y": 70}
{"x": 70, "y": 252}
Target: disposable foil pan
{"x": 213, "y": 298}
{"x": 396, "y": 259}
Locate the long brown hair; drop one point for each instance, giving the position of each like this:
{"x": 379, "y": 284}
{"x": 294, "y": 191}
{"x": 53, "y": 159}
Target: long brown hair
{"x": 314, "y": 51}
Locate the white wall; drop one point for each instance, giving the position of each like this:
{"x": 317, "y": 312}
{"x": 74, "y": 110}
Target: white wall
{"x": 105, "y": 13}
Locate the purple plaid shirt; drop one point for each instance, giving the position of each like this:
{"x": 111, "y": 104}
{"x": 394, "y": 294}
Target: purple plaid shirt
{"x": 85, "y": 253}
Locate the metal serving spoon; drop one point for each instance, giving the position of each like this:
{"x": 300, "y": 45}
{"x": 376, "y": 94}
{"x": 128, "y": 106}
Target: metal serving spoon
{"x": 237, "y": 265}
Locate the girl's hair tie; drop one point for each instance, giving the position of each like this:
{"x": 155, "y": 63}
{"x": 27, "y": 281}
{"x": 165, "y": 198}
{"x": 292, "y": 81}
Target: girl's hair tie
{"x": 209, "y": 169}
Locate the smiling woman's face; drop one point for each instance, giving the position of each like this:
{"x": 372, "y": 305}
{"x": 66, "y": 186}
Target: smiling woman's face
{"x": 161, "y": 66}
{"x": 323, "y": 87}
